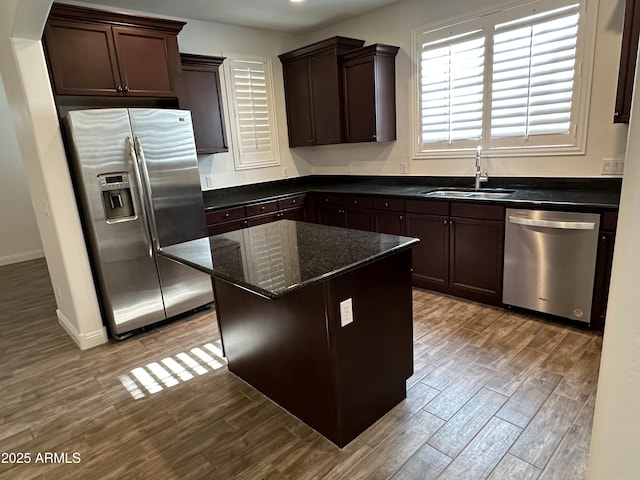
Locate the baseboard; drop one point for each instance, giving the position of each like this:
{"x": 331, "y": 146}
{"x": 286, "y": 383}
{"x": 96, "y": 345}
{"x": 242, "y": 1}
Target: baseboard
{"x": 83, "y": 340}
{"x": 21, "y": 257}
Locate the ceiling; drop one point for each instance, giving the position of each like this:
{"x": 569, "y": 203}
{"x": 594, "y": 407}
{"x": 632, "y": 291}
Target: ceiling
{"x": 281, "y": 15}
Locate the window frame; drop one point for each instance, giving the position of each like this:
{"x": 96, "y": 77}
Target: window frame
{"x": 487, "y": 19}
{"x": 242, "y": 160}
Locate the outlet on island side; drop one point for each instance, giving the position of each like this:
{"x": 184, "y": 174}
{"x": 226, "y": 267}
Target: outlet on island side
{"x": 346, "y": 312}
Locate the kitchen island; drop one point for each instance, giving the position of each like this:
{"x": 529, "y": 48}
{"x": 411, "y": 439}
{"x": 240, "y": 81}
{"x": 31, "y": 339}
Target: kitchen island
{"x": 317, "y": 318}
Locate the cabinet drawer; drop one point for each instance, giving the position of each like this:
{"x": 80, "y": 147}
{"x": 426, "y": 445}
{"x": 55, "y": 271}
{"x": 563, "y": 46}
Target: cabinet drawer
{"x": 393, "y": 204}
{"x": 477, "y": 210}
{"x": 430, "y": 207}
{"x": 260, "y": 219}
{"x": 290, "y": 202}
{"x": 261, "y": 208}
{"x": 224, "y": 227}
{"x": 225, "y": 215}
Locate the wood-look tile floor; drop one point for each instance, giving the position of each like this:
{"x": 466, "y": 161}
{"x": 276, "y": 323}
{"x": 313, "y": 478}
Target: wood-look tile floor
{"x": 495, "y": 395}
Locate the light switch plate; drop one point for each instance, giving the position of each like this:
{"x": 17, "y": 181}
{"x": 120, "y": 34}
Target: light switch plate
{"x": 346, "y": 312}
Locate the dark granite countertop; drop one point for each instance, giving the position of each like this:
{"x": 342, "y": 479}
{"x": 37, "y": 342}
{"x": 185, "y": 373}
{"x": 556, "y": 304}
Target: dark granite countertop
{"x": 279, "y": 257}
{"x": 528, "y": 192}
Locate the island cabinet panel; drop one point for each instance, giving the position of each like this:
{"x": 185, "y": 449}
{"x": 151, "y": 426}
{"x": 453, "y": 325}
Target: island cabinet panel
{"x": 461, "y": 248}
{"x": 368, "y": 82}
{"x": 294, "y": 350}
{"x": 313, "y": 91}
{"x": 98, "y": 53}
{"x": 203, "y": 98}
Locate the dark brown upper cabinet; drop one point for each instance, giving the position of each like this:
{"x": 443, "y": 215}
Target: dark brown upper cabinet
{"x": 203, "y": 97}
{"x": 369, "y": 93}
{"x": 626, "y": 74}
{"x": 313, "y": 91}
{"x": 100, "y": 53}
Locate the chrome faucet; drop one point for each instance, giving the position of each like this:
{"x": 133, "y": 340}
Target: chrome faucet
{"x": 480, "y": 178}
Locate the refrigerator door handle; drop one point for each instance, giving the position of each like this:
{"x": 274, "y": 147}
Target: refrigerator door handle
{"x": 143, "y": 206}
{"x": 147, "y": 183}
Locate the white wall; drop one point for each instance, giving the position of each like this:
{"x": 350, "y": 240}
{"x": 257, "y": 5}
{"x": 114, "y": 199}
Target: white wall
{"x": 35, "y": 121}
{"x": 393, "y": 24}
{"x": 19, "y": 236}
{"x": 616, "y": 427}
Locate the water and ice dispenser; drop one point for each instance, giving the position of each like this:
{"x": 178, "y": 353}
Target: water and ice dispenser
{"x": 116, "y": 197}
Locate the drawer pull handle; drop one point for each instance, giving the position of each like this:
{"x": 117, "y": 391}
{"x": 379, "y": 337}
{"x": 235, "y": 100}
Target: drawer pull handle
{"x": 386, "y": 204}
{"x": 226, "y": 215}
{"x": 293, "y": 201}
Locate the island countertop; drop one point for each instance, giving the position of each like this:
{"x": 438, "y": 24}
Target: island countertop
{"x": 279, "y": 257}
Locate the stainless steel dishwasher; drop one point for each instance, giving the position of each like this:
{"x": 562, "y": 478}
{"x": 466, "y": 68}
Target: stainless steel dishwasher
{"x": 549, "y": 261}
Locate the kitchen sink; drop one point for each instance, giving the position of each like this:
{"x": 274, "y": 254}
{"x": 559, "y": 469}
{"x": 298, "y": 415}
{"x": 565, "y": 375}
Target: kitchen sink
{"x": 462, "y": 193}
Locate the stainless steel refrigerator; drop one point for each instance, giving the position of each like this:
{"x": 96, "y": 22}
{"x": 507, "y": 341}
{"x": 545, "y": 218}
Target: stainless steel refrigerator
{"x": 137, "y": 182}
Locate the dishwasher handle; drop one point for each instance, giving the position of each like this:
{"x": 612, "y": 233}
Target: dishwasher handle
{"x": 558, "y": 224}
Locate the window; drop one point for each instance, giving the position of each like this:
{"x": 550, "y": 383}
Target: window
{"x": 254, "y": 136}
{"x": 512, "y": 81}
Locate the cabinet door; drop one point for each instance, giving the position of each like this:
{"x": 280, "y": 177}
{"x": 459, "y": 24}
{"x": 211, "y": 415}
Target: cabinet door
{"x": 359, "y": 219}
{"x": 298, "y": 100}
{"x": 431, "y": 255}
{"x": 476, "y": 257}
{"x": 144, "y": 57}
{"x": 360, "y": 100}
{"x": 389, "y": 222}
{"x": 604, "y": 263}
{"x": 334, "y": 216}
{"x": 82, "y": 58}
{"x": 325, "y": 98}
{"x": 202, "y": 91}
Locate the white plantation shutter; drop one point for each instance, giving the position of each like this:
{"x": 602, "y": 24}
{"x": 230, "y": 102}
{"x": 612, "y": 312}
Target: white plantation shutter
{"x": 512, "y": 81}
{"x": 249, "y": 82}
{"x": 451, "y": 91}
{"x": 533, "y": 74}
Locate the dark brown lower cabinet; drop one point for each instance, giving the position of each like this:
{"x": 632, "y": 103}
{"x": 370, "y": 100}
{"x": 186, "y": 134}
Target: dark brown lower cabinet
{"x": 462, "y": 254}
{"x": 475, "y": 258}
{"x": 356, "y": 218}
{"x": 604, "y": 262}
{"x": 430, "y": 256}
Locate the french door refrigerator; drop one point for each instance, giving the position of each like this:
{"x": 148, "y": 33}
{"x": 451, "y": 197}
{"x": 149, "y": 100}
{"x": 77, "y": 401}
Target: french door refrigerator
{"x": 137, "y": 182}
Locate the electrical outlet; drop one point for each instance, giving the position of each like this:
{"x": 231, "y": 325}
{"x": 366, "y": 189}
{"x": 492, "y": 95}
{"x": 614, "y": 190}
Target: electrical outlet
{"x": 285, "y": 172}
{"x": 346, "y": 312}
{"x": 612, "y": 166}
{"x": 404, "y": 168}
{"x": 58, "y": 293}
{"x": 209, "y": 180}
